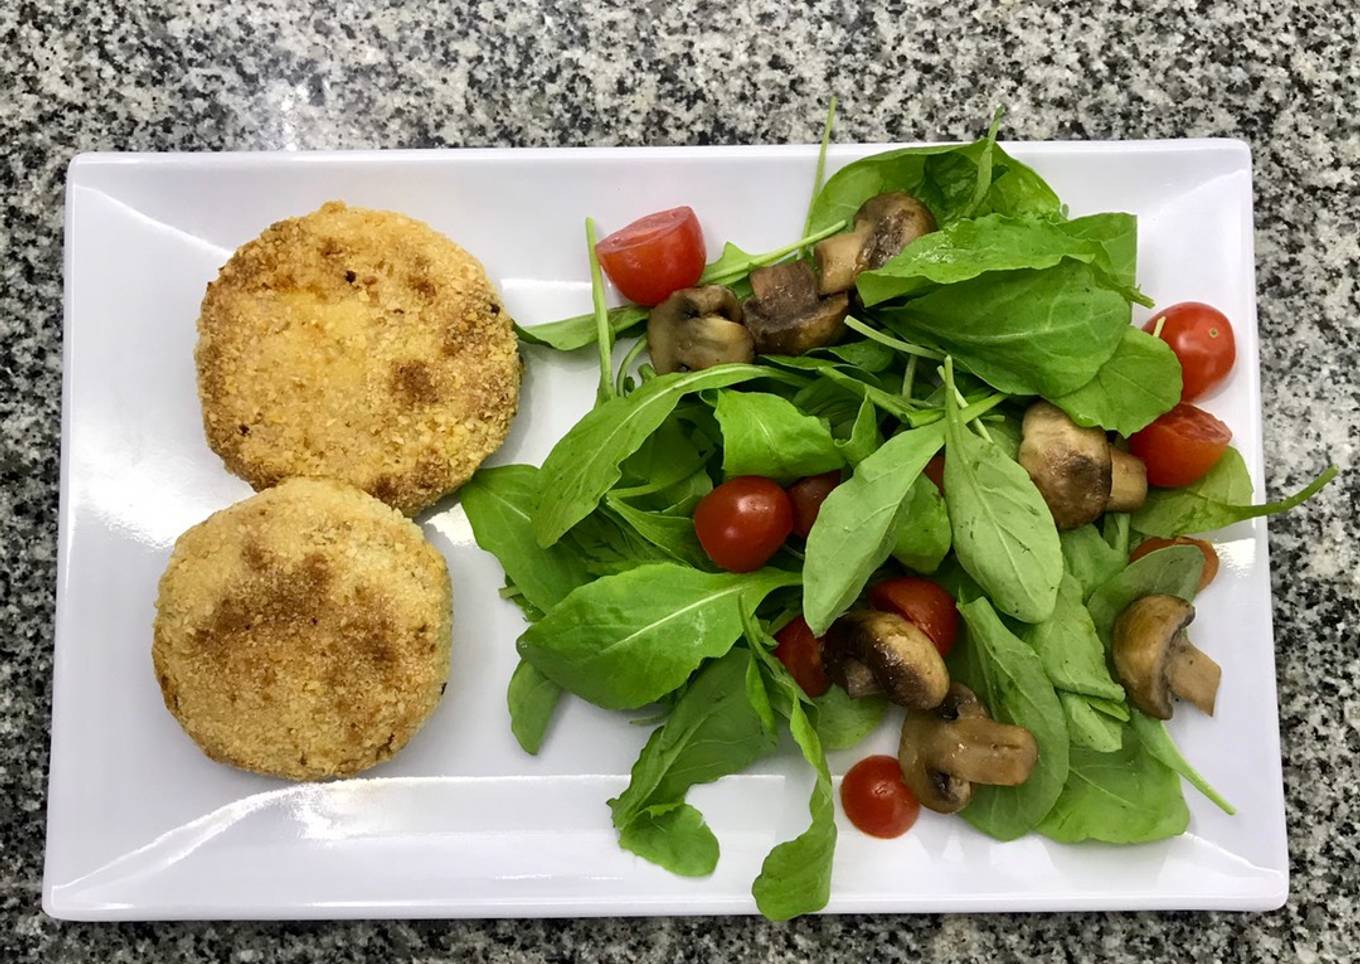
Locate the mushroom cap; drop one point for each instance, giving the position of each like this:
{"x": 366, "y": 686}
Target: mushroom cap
{"x": 1070, "y": 465}
{"x": 901, "y": 657}
{"x": 698, "y": 328}
{"x": 1147, "y": 634}
{"x": 1128, "y": 482}
{"x": 785, "y": 315}
{"x": 856, "y": 679}
{"x": 883, "y": 226}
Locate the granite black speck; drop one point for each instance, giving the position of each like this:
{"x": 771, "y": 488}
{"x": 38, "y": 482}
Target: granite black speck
{"x": 209, "y": 75}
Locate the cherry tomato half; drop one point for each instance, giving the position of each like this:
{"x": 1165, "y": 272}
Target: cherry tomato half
{"x": 1202, "y": 338}
{"x": 875, "y": 798}
{"x": 807, "y": 496}
{"x": 801, "y": 654}
{"x": 743, "y": 522}
{"x": 924, "y": 603}
{"x": 654, "y": 256}
{"x": 1153, "y": 543}
{"x": 934, "y": 471}
{"x": 1180, "y": 447}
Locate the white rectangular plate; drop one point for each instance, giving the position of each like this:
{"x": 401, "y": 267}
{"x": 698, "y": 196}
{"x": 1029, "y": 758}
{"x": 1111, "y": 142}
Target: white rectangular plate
{"x": 463, "y": 823}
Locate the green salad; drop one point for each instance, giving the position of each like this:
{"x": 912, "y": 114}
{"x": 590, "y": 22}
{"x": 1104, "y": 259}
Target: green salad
{"x": 916, "y": 462}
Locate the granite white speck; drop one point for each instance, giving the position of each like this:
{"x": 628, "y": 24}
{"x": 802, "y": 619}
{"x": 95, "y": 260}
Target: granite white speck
{"x": 207, "y": 75}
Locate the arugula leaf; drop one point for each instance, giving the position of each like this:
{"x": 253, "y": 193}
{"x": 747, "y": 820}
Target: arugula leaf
{"x": 867, "y": 355}
{"x": 1071, "y": 652}
{"x": 923, "y": 533}
{"x": 1117, "y": 709}
{"x": 672, "y": 534}
{"x": 1089, "y": 558}
{"x": 1009, "y": 679}
{"x": 669, "y": 456}
{"x": 579, "y": 331}
{"x": 863, "y": 438}
{"x": 1025, "y": 332}
{"x": 1141, "y": 380}
{"x": 766, "y": 435}
{"x": 1173, "y": 571}
{"x": 531, "y": 698}
{"x": 1088, "y": 727}
{"x": 625, "y": 640}
{"x": 842, "y": 722}
{"x": 1215, "y": 501}
{"x": 607, "y": 545}
{"x": 1152, "y": 733}
{"x": 673, "y": 836}
{"x": 819, "y": 174}
{"x": 585, "y": 463}
{"x": 1004, "y": 535}
{"x": 734, "y": 263}
{"x": 969, "y": 248}
{"x": 1118, "y": 237}
{"x": 856, "y": 528}
{"x": 1124, "y": 797}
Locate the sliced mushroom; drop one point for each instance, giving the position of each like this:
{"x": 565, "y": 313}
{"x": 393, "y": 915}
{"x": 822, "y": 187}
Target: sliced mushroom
{"x": 1128, "y": 482}
{"x": 883, "y": 226}
{"x": 784, "y": 314}
{"x": 1070, "y": 465}
{"x": 698, "y": 328}
{"x": 945, "y": 751}
{"x": 1155, "y": 659}
{"x": 899, "y": 656}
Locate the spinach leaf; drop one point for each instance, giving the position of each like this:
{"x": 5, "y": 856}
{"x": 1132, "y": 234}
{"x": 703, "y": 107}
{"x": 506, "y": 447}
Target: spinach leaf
{"x": 1009, "y": 679}
{"x": 1089, "y": 558}
{"x": 1087, "y": 726}
{"x": 1152, "y": 733}
{"x": 531, "y": 699}
{"x": 1125, "y": 797}
{"x": 1071, "y": 652}
{"x": 842, "y": 722}
{"x": 585, "y": 463}
{"x": 625, "y": 640}
{"x": 1004, "y": 535}
{"x": 673, "y": 836}
{"x": 867, "y": 355}
{"x": 1006, "y": 433}
{"x": 856, "y": 528}
{"x": 923, "y": 534}
{"x": 579, "y": 331}
{"x": 766, "y": 435}
{"x": 672, "y": 534}
{"x": 969, "y": 248}
{"x": 1018, "y": 191}
{"x": 1117, "y": 709}
{"x": 1026, "y": 332}
{"x": 1215, "y": 501}
{"x": 1141, "y": 380}
{"x": 1174, "y": 571}
{"x": 863, "y": 438}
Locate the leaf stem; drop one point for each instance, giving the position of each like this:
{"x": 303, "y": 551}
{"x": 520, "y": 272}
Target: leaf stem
{"x": 947, "y": 375}
{"x": 909, "y": 378}
{"x": 604, "y": 334}
{"x": 820, "y": 177}
{"x": 873, "y": 334}
{"x": 637, "y": 348}
{"x": 711, "y": 277}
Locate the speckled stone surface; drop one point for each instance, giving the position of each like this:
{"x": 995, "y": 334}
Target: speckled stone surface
{"x": 207, "y": 76}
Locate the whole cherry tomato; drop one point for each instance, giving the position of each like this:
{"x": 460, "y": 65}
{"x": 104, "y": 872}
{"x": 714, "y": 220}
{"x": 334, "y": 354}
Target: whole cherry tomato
{"x": 807, "y": 496}
{"x": 743, "y": 522}
{"x": 1180, "y": 447}
{"x": 1153, "y": 543}
{"x": 875, "y": 798}
{"x": 935, "y": 471}
{"x": 1202, "y": 338}
{"x": 923, "y": 603}
{"x": 654, "y": 256}
{"x": 801, "y": 654}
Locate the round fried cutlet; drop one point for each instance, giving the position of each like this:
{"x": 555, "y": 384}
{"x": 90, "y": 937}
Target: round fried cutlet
{"x": 303, "y": 632}
{"x": 356, "y": 345}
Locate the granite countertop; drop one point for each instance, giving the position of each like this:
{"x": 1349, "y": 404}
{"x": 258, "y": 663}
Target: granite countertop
{"x": 210, "y": 75}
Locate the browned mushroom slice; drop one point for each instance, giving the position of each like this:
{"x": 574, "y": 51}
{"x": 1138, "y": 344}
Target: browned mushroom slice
{"x": 786, "y": 317}
{"x": 1070, "y": 465}
{"x": 1155, "y": 659}
{"x": 944, "y": 751}
{"x": 1128, "y": 482}
{"x": 697, "y": 328}
{"x": 883, "y": 226}
{"x": 900, "y": 656}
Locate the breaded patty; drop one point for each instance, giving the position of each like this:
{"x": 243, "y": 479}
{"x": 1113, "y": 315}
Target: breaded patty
{"x": 356, "y": 345}
{"x": 303, "y": 632}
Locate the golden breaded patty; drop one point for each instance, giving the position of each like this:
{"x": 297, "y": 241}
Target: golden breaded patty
{"x": 303, "y": 632}
{"x": 356, "y": 345}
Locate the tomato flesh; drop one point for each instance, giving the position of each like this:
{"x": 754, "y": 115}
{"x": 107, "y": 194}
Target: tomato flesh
{"x": 1180, "y": 447}
{"x": 923, "y": 603}
{"x": 807, "y": 496}
{"x": 743, "y": 522}
{"x": 1153, "y": 543}
{"x": 1202, "y": 338}
{"x": 801, "y": 654}
{"x": 876, "y": 800}
{"x": 934, "y": 471}
{"x": 654, "y": 256}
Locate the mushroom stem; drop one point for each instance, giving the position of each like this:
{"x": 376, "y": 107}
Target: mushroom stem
{"x": 1193, "y": 675}
{"x": 859, "y": 679}
{"x": 980, "y": 750}
{"x": 1128, "y": 482}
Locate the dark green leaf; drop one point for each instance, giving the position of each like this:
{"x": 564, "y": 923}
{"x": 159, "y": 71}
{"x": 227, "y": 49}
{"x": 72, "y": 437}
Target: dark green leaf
{"x": 1152, "y": 733}
{"x": 1141, "y": 380}
{"x": 672, "y": 534}
{"x": 765, "y": 435}
{"x": 866, "y": 355}
{"x": 531, "y": 698}
{"x": 608, "y": 545}
{"x": 923, "y": 533}
{"x": 1018, "y": 191}
{"x": 580, "y": 331}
